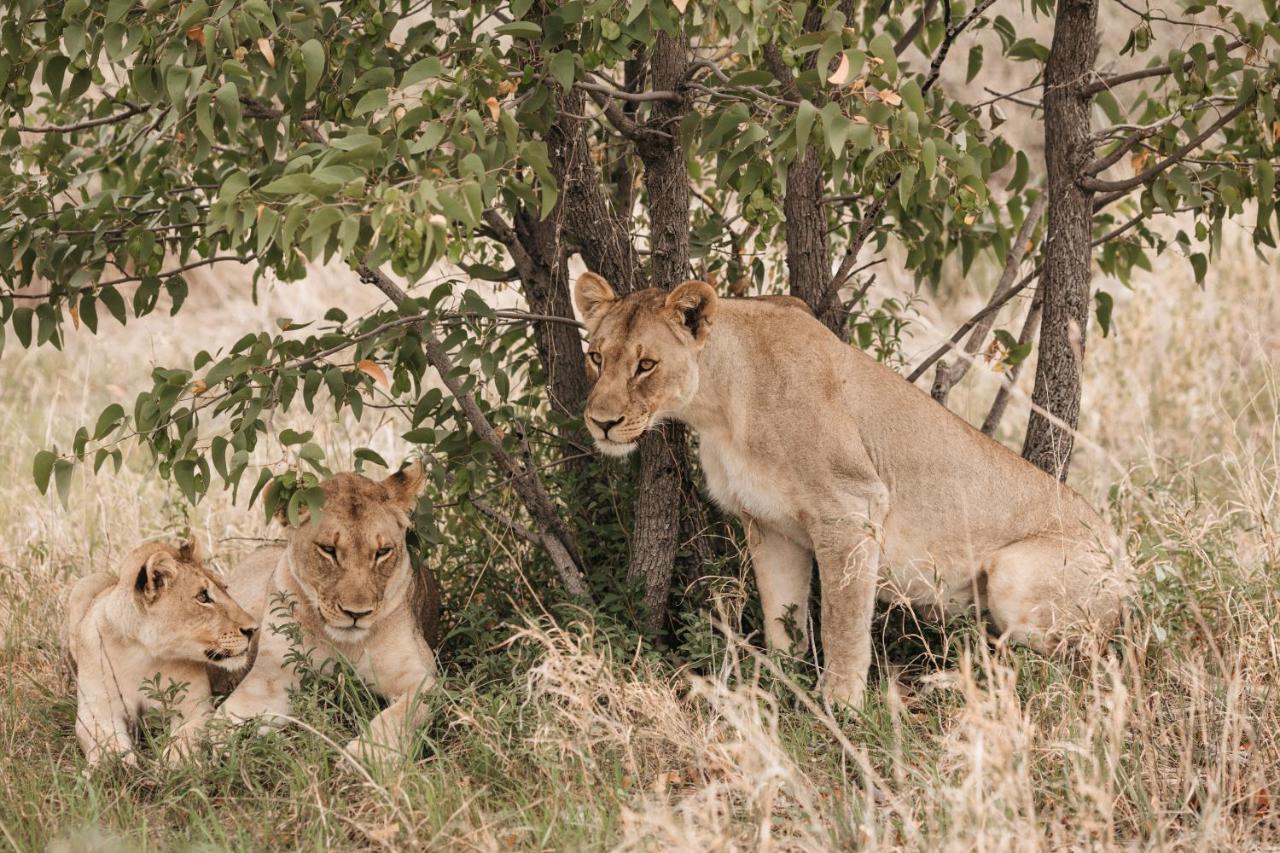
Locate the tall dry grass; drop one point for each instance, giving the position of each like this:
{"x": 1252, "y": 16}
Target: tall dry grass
{"x": 1170, "y": 743}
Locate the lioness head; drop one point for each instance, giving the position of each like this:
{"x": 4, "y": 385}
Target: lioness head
{"x": 186, "y": 612}
{"x": 643, "y": 355}
{"x": 353, "y": 565}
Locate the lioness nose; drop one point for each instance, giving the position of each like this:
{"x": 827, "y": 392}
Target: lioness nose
{"x": 248, "y": 632}
{"x": 606, "y": 425}
{"x": 356, "y": 614}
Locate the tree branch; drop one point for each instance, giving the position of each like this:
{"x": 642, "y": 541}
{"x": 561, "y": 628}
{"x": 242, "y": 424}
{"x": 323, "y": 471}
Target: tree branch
{"x": 914, "y": 30}
{"x": 1093, "y": 184}
{"x": 948, "y": 376}
{"x": 244, "y": 259}
{"x": 622, "y": 95}
{"x": 948, "y": 39}
{"x": 130, "y": 111}
{"x": 554, "y": 535}
{"x": 1105, "y": 83}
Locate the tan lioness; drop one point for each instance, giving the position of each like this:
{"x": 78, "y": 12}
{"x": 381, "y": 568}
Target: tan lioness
{"x": 823, "y": 452}
{"x": 348, "y": 585}
{"x": 159, "y": 620}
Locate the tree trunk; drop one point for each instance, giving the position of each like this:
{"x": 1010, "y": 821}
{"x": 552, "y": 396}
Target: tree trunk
{"x": 663, "y": 454}
{"x": 1068, "y": 247}
{"x": 808, "y": 255}
{"x": 547, "y": 292}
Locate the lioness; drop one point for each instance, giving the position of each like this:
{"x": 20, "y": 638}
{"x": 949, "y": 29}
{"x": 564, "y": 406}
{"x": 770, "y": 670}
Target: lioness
{"x": 348, "y": 585}
{"x": 161, "y": 613}
{"x": 823, "y": 452}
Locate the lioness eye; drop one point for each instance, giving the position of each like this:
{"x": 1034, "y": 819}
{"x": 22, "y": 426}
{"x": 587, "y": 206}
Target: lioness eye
{"x": 203, "y": 597}
{"x": 645, "y": 365}
{"x": 382, "y": 552}
{"x": 595, "y": 358}
{"x": 328, "y": 551}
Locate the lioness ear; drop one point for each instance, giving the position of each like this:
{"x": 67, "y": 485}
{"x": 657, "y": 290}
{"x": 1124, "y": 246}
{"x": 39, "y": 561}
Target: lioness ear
{"x": 190, "y": 551}
{"x": 593, "y": 296}
{"x": 693, "y": 305}
{"x": 153, "y": 576}
{"x": 404, "y": 485}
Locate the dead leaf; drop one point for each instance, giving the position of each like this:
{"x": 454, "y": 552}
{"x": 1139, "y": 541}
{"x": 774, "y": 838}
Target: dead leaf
{"x": 506, "y": 87}
{"x": 74, "y": 311}
{"x": 840, "y": 76}
{"x": 199, "y": 387}
{"x": 264, "y": 46}
{"x": 680, "y": 5}
{"x": 970, "y": 218}
{"x": 371, "y": 368}
{"x": 196, "y": 34}
{"x": 1139, "y": 160}
{"x": 890, "y": 97}
{"x": 494, "y": 110}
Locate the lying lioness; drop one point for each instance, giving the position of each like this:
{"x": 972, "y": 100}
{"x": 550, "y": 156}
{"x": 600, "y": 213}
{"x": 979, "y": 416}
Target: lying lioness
{"x": 348, "y": 585}
{"x": 161, "y": 613}
{"x": 822, "y": 451}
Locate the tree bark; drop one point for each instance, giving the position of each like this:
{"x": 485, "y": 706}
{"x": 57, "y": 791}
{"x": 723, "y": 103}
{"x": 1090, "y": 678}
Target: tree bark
{"x": 663, "y": 456}
{"x": 1068, "y": 251}
{"x": 546, "y": 290}
{"x": 808, "y": 253}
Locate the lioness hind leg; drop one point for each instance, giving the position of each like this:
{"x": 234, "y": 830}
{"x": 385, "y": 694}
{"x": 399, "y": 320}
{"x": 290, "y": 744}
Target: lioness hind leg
{"x": 1052, "y": 594}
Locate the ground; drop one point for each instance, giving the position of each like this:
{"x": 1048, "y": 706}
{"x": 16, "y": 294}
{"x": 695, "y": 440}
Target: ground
{"x": 569, "y": 739}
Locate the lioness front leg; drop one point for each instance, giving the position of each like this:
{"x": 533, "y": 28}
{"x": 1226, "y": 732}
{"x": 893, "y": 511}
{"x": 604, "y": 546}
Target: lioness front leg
{"x": 102, "y": 735}
{"x": 264, "y": 693}
{"x": 194, "y": 712}
{"x": 783, "y": 570}
{"x": 848, "y": 551}
{"x": 404, "y": 679}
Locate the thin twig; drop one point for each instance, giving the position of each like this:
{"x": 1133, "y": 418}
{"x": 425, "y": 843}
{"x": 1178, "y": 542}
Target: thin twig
{"x": 131, "y": 111}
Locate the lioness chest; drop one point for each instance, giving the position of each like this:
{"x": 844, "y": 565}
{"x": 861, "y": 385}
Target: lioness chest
{"x": 747, "y": 487}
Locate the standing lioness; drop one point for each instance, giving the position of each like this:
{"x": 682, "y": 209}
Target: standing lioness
{"x": 347, "y": 583}
{"x": 822, "y": 451}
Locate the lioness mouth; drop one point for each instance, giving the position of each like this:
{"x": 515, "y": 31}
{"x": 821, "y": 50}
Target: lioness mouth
{"x": 217, "y": 656}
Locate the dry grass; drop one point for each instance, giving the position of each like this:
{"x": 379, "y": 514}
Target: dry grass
{"x": 1170, "y": 744}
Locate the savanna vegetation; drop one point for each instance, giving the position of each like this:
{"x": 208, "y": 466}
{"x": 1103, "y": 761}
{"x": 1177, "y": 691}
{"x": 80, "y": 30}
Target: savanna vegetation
{"x": 245, "y": 244}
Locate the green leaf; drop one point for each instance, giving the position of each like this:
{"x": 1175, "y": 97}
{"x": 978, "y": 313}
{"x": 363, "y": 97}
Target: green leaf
{"x": 1102, "y": 309}
{"x": 805, "y": 115}
{"x": 423, "y": 69}
{"x": 372, "y": 100}
{"x": 1265, "y": 176}
{"x": 975, "y": 63}
{"x": 520, "y": 29}
{"x": 42, "y": 467}
{"x": 312, "y": 64}
{"x": 1200, "y": 264}
{"x": 228, "y": 98}
{"x": 562, "y": 69}
{"x": 107, "y": 421}
{"x": 62, "y": 469}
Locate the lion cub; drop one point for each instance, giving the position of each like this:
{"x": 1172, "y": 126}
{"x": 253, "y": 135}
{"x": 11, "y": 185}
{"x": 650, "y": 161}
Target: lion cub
{"x": 162, "y": 617}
